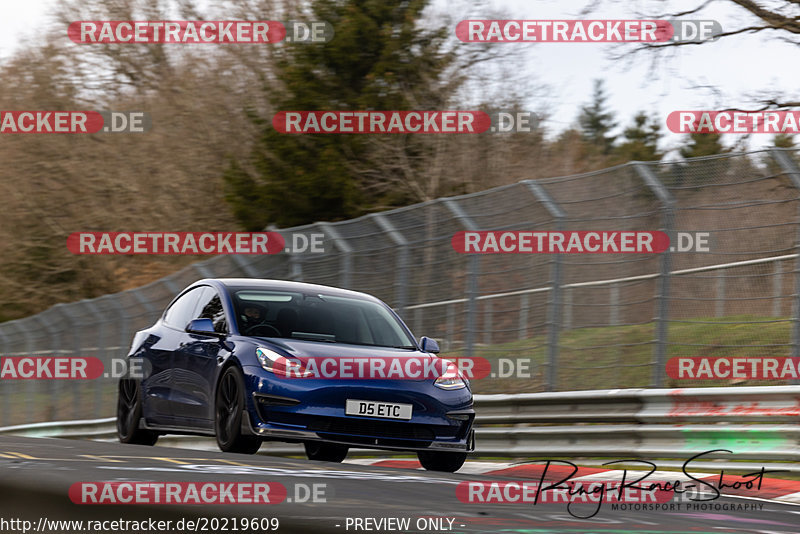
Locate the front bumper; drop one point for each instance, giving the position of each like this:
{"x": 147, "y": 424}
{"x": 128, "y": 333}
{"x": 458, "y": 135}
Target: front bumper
{"x": 298, "y": 410}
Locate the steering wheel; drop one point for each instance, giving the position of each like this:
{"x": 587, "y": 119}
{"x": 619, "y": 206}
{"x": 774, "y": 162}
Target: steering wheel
{"x": 252, "y": 331}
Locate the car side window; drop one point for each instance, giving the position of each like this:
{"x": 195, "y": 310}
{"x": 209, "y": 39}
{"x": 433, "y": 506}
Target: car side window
{"x": 210, "y": 307}
{"x": 182, "y": 310}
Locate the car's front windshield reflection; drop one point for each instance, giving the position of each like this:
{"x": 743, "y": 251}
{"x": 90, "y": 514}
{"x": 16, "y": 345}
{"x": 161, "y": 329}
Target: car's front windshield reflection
{"x": 318, "y": 317}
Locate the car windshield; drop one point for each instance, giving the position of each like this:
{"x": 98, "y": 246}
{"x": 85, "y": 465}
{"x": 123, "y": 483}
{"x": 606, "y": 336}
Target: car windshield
{"x": 318, "y": 317}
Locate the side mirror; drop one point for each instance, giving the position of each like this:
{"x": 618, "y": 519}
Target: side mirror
{"x": 429, "y": 345}
{"x": 203, "y": 327}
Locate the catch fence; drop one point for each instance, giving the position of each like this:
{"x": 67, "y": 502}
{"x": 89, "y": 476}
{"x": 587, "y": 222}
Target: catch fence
{"x": 584, "y": 321}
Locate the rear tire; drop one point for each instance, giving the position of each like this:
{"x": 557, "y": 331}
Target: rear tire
{"x": 129, "y": 413}
{"x": 325, "y": 452}
{"x": 449, "y": 462}
{"x": 228, "y": 413}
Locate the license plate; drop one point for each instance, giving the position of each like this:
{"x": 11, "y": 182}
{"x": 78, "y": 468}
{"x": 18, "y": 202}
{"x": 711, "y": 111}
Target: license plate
{"x": 386, "y": 410}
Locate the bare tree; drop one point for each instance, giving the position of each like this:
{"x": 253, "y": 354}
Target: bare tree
{"x": 776, "y": 19}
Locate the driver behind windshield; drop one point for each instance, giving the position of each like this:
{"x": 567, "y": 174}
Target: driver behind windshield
{"x": 250, "y": 316}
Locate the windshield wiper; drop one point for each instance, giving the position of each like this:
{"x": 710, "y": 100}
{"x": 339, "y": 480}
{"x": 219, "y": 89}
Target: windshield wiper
{"x": 311, "y": 336}
{"x": 379, "y": 346}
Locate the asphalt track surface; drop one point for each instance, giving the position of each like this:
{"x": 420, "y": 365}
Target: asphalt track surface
{"x": 36, "y": 474}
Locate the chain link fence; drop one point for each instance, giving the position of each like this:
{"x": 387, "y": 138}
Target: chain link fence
{"x": 593, "y": 321}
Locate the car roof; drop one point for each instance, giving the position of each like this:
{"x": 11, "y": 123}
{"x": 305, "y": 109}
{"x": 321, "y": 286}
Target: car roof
{"x": 286, "y": 285}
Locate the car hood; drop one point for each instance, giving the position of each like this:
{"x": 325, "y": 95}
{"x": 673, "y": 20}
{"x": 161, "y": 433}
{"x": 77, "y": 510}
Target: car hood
{"x": 429, "y": 365}
{"x": 314, "y": 349}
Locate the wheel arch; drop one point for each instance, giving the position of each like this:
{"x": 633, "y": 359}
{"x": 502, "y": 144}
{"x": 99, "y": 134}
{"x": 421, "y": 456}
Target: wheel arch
{"x": 233, "y": 361}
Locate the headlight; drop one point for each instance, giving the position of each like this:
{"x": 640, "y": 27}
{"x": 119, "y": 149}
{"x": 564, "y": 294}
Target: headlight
{"x": 451, "y": 379}
{"x": 280, "y": 365}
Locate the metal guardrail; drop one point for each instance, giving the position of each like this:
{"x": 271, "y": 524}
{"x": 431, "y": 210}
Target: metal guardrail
{"x": 754, "y": 423}
{"x": 85, "y": 429}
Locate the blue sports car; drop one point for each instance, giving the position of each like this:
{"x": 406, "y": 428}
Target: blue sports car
{"x": 249, "y": 360}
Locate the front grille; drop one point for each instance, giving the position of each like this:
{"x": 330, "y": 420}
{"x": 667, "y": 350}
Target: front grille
{"x": 364, "y": 431}
{"x": 378, "y": 429}
{"x": 275, "y": 400}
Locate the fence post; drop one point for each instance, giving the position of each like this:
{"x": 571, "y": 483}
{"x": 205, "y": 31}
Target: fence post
{"x": 51, "y": 386}
{"x": 9, "y": 386}
{"x": 790, "y": 168}
{"x": 245, "y": 266}
{"x": 102, "y": 352}
{"x": 614, "y": 297}
{"x": 487, "y": 322}
{"x": 451, "y": 325}
{"x": 473, "y": 271}
{"x": 524, "y": 304}
{"x": 152, "y": 312}
{"x": 14, "y": 385}
{"x": 76, "y": 351}
{"x": 662, "y": 298}
{"x": 719, "y": 303}
{"x": 401, "y": 277}
{"x": 777, "y": 289}
{"x": 3, "y": 392}
{"x": 346, "y": 250}
{"x": 124, "y": 323}
{"x": 203, "y": 269}
{"x": 172, "y": 288}
{"x": 295, "y": 261}
{"x": 554, "y": 304}
{"x": 567, "y": 320}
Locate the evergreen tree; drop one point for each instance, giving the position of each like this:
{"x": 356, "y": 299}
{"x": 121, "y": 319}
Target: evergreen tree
{"x": 703, "y": 144}
{"x": 782, "y": 140}
{"x": 641, "y": 140}
{"x": 379, "y": 59}
{"x": 596, "y": 120}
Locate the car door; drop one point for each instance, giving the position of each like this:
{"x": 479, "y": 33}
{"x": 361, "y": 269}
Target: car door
{"x": 196, "y": 364}
{"x": 160, "y": 358}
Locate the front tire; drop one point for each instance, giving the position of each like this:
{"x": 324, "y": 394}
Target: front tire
{"x": 325, "y": 452}
{"x": 228, "y": 412}
{"x": 129, "y": 413}
{"x": 449, "y": 462}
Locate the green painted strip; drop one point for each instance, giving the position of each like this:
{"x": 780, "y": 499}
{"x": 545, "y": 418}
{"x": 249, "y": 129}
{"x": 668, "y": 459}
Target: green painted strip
{"x": 739, "y": 441}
